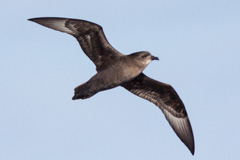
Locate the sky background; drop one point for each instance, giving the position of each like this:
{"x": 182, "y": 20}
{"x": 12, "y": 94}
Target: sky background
{"x": 197, "y": 42}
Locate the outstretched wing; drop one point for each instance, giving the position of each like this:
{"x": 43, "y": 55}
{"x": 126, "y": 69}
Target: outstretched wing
{"x": 89, "y": 35}
{"x": 166, "y": 98}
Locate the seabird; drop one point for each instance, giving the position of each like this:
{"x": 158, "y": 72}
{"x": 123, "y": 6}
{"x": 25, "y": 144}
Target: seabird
{"x": 116, "y": 69}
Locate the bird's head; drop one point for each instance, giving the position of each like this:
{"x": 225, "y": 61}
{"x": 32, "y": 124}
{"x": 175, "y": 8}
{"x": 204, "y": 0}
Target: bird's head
{"x": 143, "y": 58}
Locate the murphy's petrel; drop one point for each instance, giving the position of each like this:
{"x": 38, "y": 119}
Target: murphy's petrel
{"x": 116, "y": 69}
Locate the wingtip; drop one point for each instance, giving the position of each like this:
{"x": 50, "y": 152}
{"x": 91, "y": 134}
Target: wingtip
{"x": 30, "y": 19}
{"x": 34, "y": 19}
{"x": 74, "y": 97}
{"x": 191, "y": 146}
{"x": 192, "y": 150}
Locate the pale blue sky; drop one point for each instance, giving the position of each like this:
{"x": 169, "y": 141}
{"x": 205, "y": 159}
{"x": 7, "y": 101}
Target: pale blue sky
{"x": 197, "y": 42}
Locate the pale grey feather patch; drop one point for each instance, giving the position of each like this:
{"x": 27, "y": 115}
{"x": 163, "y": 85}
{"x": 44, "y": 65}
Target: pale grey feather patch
{"x": 57, "y": 24}
{"x": 182, "y": 128}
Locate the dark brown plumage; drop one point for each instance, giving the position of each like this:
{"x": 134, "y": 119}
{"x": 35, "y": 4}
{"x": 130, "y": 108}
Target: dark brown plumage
{"x": 167, "y": 99}
{"x": 116, "y": 69}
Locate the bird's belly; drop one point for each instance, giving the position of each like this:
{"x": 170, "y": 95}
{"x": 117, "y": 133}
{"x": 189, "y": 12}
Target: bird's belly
{"x": 112, "y": 78}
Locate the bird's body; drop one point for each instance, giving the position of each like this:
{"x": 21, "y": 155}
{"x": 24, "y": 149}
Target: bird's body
{"x": 116, "y": 74}
{"x": 116, "y": 69}
{"x": 123, "y": 69}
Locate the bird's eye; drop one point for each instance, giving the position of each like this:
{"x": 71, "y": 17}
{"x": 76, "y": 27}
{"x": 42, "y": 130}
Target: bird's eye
{"x": 144, "y": 56}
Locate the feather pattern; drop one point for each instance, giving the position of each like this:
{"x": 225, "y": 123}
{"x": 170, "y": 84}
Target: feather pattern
{"x": 89, "y": 35}
{"x": 167, "y": 99}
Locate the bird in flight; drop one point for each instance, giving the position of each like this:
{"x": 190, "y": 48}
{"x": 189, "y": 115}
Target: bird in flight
{"x": 116, "y": 69}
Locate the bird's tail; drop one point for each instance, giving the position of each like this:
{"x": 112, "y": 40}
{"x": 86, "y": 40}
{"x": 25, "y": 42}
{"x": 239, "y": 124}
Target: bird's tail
{"x": 82, "y": 92}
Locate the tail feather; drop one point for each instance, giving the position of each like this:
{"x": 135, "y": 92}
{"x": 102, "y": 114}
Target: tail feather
{"x": 82, "y": 92}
